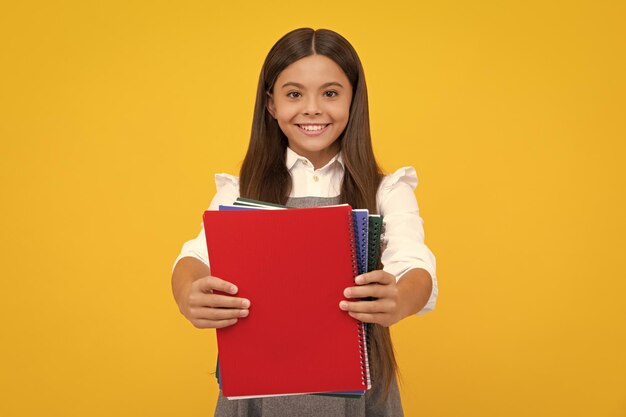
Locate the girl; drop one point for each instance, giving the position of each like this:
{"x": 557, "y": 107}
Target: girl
{"x": 310, "y": 145}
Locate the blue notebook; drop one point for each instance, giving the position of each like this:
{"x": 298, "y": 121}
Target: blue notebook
{"x": 360, "y": 219}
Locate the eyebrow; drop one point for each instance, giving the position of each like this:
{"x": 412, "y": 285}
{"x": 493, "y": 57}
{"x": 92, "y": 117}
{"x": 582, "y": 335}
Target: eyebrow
{"x": 298, "y": 85}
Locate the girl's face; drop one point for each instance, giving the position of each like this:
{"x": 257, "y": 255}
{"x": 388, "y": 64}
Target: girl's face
{"x": 311, "y": 103}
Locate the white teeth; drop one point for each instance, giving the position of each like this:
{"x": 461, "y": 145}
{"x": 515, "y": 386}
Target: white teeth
{"x": 312, "y": 128}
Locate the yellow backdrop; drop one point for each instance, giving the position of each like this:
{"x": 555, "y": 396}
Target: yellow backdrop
{"x": 114, "y": 116}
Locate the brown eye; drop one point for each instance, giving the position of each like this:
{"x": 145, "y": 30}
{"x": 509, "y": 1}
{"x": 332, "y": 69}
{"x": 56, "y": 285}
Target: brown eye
{"x": 331, "y": 93}
{"x": 293, "y": 94}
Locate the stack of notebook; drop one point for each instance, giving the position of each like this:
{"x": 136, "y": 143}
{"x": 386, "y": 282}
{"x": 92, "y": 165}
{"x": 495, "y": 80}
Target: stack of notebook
{"x": 293, "y": 265}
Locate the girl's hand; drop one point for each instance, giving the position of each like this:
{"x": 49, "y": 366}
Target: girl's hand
{"x": 384, "y": 309}
{"x": 204, "y": 309}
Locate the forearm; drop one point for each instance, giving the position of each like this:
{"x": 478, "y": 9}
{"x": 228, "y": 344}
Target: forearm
{"x": 187, "y": 271}
{"x": 414, "y": 289}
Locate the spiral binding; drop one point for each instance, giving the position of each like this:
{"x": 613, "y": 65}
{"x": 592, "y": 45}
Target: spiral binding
{"x": 367, "y": 327}
{"x": 364, "y": 226}
{"x": 372, "y": 253}
{"x": 366, "y": 380}
{"x": 361, "y": 329}
{"x": 353, "y": 249}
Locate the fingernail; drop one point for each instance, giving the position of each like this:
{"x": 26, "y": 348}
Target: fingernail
{"x": 346, "y": 293}
{"x": 359, "y": 279}
{"x": 343, "y": 305}
{"x": 243, "y": 313}
{"x": 245, "y": 303}
{"x": 233, "y": 289}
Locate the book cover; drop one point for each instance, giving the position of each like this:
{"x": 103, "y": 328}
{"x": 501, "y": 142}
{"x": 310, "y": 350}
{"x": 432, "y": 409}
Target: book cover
{"x": 293, "y": 265}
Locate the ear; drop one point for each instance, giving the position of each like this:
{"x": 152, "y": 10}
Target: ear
{"x": 271, "y": 108}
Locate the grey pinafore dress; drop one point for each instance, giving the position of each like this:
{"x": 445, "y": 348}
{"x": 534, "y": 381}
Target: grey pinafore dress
{"x": 313, "y": 405}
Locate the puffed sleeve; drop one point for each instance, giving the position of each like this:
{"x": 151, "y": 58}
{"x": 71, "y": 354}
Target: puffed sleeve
{"x": 403, "y": 241}
{"x": 227, "y": 192}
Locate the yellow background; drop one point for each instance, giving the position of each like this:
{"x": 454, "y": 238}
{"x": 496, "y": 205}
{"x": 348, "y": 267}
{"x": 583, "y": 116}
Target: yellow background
{"x": 114, "y": 116}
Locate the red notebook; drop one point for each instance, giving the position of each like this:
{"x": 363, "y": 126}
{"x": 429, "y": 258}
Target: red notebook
{"x": 293, "y": 265}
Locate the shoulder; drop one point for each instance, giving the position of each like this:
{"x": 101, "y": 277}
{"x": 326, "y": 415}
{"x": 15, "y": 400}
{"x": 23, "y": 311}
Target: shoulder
{"x": 227, "y": 190}
{"x": 405, "y": 175}
{"x": 224, "y": 180}
{"x": 397, "y": 187}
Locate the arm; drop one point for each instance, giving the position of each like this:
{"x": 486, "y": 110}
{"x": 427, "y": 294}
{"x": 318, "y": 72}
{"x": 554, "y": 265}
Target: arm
{"x": 193, "y": 285}
{"x": 414, "y": 289}
{"x": 186, "y": 271}
{"x": 405, "y": 256}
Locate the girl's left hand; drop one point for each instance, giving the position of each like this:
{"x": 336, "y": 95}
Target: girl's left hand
{"x": 384, "y": 309}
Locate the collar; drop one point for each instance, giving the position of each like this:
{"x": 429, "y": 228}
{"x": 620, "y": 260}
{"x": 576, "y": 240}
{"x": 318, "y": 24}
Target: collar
{"x": 291, "y": 158}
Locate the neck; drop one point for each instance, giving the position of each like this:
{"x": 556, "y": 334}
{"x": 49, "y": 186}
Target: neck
{"x": 320, "y": 158}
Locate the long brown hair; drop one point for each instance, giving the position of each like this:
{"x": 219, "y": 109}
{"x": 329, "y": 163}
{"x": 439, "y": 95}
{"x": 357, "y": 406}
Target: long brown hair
{"x": 264, "y": 175}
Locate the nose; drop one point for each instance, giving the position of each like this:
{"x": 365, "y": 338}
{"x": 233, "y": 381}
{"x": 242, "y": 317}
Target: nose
{"x": 312, "y": 106}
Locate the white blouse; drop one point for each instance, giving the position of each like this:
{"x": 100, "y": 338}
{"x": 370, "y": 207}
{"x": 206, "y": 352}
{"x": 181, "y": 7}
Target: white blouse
{"x": 403, "y": 239}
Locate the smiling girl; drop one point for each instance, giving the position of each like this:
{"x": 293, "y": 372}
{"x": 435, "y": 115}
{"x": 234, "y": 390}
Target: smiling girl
{"x": 310, "y": 146}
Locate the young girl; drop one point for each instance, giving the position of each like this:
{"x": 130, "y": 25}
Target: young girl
{"x": 310, "y": 146}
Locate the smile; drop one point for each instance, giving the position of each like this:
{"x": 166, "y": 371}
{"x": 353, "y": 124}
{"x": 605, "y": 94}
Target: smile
{"x": 313, "y": 130}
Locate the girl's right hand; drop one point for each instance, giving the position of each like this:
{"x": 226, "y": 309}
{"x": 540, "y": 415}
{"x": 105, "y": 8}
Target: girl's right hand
{"x": 205, "y": 310}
